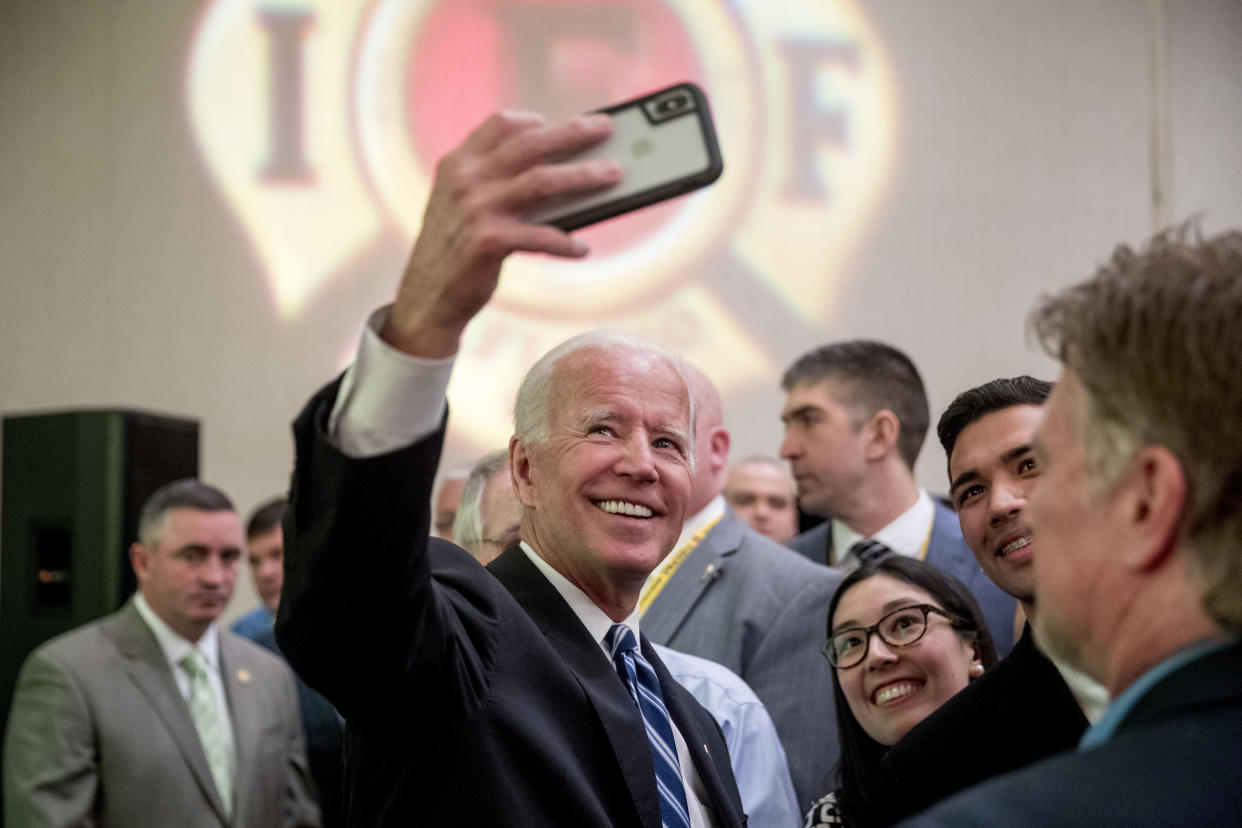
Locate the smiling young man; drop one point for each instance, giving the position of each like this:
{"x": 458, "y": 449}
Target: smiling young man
{"x": 508, "y": 694}
{"x": 1021, "y": 710}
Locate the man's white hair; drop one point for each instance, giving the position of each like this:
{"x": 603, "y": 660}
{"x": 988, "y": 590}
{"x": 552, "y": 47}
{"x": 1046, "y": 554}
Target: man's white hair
{"x": 531, "y": 409}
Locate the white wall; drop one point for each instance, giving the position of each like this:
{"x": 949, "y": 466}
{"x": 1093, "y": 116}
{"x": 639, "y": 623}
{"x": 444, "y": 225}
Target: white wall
{"x": 1027, "y": 139}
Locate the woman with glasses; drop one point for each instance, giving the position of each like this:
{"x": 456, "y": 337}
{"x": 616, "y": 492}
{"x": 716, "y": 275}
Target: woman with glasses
{"x": 903, "y": 637}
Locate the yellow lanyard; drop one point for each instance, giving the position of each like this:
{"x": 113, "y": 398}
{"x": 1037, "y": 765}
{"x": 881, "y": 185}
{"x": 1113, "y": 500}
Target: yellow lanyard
{"x": 666, "y": 571}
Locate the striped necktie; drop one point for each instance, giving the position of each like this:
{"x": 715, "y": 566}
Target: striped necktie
{"x": 640, "y": 677}
{"x": 206, "y": 715}
{"x": 869, "y": 550}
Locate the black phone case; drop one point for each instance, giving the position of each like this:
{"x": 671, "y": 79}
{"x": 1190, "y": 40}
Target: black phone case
{"x": 670, "y": 189}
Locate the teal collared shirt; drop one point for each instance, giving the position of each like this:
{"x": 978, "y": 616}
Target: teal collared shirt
{"x": 1120, "y": 707}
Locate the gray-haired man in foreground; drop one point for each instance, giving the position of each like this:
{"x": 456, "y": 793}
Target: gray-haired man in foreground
{"x": 1138, "y": 518}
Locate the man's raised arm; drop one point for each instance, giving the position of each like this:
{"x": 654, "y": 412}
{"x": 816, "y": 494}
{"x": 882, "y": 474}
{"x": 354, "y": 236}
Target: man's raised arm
{"x": 368, "y": 447}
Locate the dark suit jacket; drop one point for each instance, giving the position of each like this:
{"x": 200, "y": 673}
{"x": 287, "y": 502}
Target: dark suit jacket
{"x": 759, "y": 609}
{"x": 1019, "y": 712}
{"x": 100, "y": 735}
{"x": 1173, "y": 761}
{"x": 324, "y": 741}
{"x": 946, "y": 550}
{"x": 472, "y": 697}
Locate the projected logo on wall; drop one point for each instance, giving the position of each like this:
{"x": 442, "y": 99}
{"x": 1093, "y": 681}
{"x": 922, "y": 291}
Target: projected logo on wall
{"x": 322, "y": 120}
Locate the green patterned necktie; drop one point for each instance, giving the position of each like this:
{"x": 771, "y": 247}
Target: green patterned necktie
{"x": 206, "y": 715}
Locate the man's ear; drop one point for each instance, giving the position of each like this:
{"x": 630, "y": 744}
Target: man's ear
{"x": 719, "y": 443}
{"x": 1151, "y": 501}
{"x": 881, "y": 432}
{"x": 520, "y": 472}
{"x": 140, "y": 560}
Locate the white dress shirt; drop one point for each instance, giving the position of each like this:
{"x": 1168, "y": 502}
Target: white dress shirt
{"x": 907, "y": 535}
{"x": 176, "y": 648}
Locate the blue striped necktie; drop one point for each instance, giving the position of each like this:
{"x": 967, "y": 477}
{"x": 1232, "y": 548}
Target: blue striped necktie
{"x": 640, "y": 677}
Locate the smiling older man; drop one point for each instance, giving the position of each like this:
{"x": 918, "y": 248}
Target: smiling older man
{"x": 523, "y": 693}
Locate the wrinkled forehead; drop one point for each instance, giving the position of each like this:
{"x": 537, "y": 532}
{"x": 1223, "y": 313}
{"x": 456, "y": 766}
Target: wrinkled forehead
{"x": 593, "y": 372}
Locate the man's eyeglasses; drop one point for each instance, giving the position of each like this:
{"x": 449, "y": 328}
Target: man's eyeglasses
{"x": 900, "y": 628}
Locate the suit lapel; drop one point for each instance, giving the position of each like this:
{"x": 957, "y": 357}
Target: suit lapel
{"x": 247, "y": 718}
{"x": 149, "y": 671}
{"x": 677, "y": 701}
{"x": 946, "y": 549}
{"x": 608, "y": 696}
{"x": 701, "y": 569}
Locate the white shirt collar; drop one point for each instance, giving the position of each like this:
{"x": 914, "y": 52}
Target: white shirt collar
{"x": 906, "y": 535}
{"x": 172, "y": 644}
{"x": 592, "y": 617}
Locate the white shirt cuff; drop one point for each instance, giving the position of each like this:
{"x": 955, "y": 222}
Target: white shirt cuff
{"x": 388, "y": 399}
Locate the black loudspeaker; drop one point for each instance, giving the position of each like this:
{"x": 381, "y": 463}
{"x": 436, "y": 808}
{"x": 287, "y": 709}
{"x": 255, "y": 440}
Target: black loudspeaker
{"x": 73, "y": 487}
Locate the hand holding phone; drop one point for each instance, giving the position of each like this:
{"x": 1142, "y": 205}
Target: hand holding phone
{"x": 667, "y": 146}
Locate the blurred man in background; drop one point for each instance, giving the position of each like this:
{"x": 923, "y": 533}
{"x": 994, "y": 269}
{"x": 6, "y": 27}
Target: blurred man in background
{"x": 761, "y": 492}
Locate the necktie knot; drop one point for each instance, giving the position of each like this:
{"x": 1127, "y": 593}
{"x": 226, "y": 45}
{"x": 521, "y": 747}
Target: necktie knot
{"x": 192, "y": 663}
{"x": 620, "y": 639}
{"x": 869, "y": 550}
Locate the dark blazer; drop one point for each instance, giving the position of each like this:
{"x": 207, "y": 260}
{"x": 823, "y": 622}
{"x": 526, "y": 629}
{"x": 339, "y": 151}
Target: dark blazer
{"x": 99, "y": 734}
{"x": 325, "y": 736}
{"x": 1017, "y": 713}
{"x": 472, "y": 696}
{"x": 947, "y": 551}
{"x": 1174, "y": 760}
{"x": 747, "y": 602}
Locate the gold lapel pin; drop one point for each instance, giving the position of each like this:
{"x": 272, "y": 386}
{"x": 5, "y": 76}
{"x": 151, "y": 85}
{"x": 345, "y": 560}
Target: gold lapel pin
{"x": 243, "y": 676}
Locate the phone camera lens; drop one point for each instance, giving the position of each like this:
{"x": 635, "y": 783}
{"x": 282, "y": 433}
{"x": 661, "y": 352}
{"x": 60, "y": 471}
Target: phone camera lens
{"x": 671, "y": 104}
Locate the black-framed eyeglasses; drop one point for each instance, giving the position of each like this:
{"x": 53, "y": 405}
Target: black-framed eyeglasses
{"x": 900, "y": 628}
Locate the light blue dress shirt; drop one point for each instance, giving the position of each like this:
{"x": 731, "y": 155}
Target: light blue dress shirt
{"x": 755, "y": 752}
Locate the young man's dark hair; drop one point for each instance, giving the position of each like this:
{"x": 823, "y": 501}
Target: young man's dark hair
{"x": 972, "y": 405}
{"x": 873, "y": 376}
{"x": 266, "y": 517}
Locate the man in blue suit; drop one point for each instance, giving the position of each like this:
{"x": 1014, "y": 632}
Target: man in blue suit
{"x": 855, "y": 417}
{"x": 1138, "y": 577}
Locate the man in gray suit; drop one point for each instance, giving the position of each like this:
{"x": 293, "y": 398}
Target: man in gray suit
{"x": 153, "y": 715}
{"x": 728, "y": 594}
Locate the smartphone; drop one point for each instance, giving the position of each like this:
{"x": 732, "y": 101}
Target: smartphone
{"x": 667, "y": 146}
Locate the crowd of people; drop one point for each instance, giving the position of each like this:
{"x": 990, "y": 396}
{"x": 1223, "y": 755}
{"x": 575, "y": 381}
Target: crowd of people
{"x": 608, "y": 623}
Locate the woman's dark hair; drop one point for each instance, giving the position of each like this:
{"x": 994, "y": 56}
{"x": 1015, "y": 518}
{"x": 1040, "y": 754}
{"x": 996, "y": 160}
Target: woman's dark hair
{"x": 861, "y": 783}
